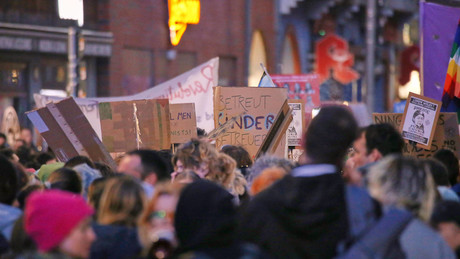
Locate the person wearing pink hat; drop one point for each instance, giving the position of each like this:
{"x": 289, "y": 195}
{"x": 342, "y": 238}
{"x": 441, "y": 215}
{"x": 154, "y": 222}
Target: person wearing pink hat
{"x": 59, "y": 222}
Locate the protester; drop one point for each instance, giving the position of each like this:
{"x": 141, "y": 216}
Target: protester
{"x": 9, "y": 187}
{"x": 87, "y": 175}
{"x": 147, "y": 166}
{"x": 446, "y": 219}
{"x": 439, "y": 173}
{"x": 104, "y": 169}
{"x": 59, "y": 223}
{"x": 375, "y": 142}
{"x": 78, "y": 160}
{"x": 268, "y": 161}
{"x": 45, "y": 170}
{"x": 27, "y": 137}
{"x": 3, "y": 141}
{"x": 157, "y": 222}
{"x": 241, "y": 157}
{"x": 450, "y": 160}
{"x": 45, "y": 158}
{"x": 304, "y": 215}
{"x": 26, "y": 191}
{"x": 195, "y": 155}
{"x": 65, "y": 179}
{"x": 266, "y": 179}
{"x": 186, "y": 177}
{"x": 206, "y": 223}
{"x": 120, "y": 207}
{"x": 21, "y": 243}
{"x": 405, "y": 183}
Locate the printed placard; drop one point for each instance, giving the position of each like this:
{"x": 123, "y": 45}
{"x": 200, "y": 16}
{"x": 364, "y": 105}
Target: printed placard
{"x": 446, "y": 133}
{"x": 182, "y": 121}
{"x": 297, "y": 126}
{"x": 419, "y": 119}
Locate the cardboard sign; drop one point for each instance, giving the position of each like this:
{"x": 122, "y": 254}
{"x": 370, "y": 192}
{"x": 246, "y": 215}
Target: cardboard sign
{"x": 193, "y": 86}
{"x": 419, "y": 120}
{"x": 277, "y": 131}
{"x": 260, "y": 104}
{"x": 297, "y": 126}
{"x": 134, "y": 125}
{"x": 68, "y": 132}
{"x": 303, "y": 87}
{"x": 182, "y": 121}
{"x": 446, "y": 133}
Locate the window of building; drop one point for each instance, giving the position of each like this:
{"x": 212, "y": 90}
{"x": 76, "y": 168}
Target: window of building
{"x": 227, "y": 71}
{"x": 137, "y": 70}
{"x": 290, "y": 59}
{"x": 257, "y": 55}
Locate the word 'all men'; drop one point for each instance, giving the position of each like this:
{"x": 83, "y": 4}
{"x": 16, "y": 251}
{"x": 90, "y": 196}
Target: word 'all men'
{"x": 181, "y": 116}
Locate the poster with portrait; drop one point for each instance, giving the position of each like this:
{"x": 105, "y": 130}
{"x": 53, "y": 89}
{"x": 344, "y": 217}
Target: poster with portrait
{"x": 420, "y": 119}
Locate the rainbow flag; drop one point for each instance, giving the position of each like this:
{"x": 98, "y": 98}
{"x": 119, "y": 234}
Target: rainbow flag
{"x": 451, "y": 92}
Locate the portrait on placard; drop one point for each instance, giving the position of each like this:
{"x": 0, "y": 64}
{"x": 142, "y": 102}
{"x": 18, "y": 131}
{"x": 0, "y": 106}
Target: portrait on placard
{"x": 419, "y": 119}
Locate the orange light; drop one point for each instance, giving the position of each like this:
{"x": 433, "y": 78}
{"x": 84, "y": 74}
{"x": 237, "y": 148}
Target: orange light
{"x": 181, "y": 13}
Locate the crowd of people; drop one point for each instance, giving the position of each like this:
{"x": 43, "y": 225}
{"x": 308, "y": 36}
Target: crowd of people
{"x": 351, "y": 195}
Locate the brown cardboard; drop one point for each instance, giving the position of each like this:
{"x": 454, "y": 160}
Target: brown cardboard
{"x": 182, "y": 121}
{"x": 446, "y": 134}
{"x": 68, "y": 132}
{"x": 130, "y": 125}
{"x": 261, "y": 105}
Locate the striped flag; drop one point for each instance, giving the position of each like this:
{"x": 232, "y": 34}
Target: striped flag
{"x": 451, "y": 92}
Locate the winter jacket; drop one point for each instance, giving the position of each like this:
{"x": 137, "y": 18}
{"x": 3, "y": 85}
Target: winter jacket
{"x": 8, "y": 215}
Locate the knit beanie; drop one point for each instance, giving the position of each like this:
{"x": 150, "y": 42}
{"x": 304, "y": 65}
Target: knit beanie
{"x": 51, "y": 216}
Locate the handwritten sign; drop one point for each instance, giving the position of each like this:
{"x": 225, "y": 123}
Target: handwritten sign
{"x": 134, "y": 125}
{"x": 446, "y": 134}
{"x": 260, "y": 105}
{"x": 182, "y": 121}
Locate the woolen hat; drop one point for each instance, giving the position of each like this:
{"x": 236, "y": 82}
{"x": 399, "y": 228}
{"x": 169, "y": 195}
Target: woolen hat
{"x": 51, "y": 216}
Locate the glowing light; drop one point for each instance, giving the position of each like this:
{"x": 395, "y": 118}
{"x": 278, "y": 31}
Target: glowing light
{"x": 181, "y": 13}
{"x": 412, "y": 86}
{"x": 71, "y": 10}
{"x": 322, "y": 32}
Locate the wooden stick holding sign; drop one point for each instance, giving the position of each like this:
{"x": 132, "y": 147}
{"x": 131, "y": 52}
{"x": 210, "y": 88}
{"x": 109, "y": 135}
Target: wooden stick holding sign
{"x": 277, "y": 130}
{"x": 419, "y": 120}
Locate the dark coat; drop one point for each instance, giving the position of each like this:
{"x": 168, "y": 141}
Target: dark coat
{"x": 115, "y": 242}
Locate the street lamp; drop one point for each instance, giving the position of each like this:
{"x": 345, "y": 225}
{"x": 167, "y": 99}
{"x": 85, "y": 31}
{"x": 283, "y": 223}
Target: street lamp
{"x": 72, "y": 10}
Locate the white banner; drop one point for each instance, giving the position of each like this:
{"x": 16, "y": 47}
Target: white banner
{"x": 193, "y": 86}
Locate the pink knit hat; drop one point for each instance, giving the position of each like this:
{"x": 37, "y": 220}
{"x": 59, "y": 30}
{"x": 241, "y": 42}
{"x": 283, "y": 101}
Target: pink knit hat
{"x": 50, "y": 216}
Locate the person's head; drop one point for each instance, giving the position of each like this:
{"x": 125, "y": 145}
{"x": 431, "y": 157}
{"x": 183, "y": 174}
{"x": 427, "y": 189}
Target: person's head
{"x": 146, "y": 165}
{"x": 196, "y": 155}
{"x": 45, "y": 158}
{"x": 418, "y": 118}
{"x": 403, "y": 182}
{"x": 9, "y": 182}
{"x": 186, "y": 177}
{"x": 26, "y": 192}
{"x": 329, "y": 135}
{"x": 9, "y": 153}
{"x": 201, "y": 132}
{"x": 205, "y": 216}
{"x": 438, "y": 171}
{"x": 122, "y": 202}
{"x": 166, "y": 154}
{"x": 241, "y": 156}
{"x": 267, "y": 178}
{"x": 59, "y": 221}
{"x": 25, "y": 154}
{"x": 78, "y": 160}
{"x": 65, "y": 179}
{"x": 26, "y": 135}
{"x": 3, "y": 140}
{"x": 446, "y": 219}
{"x": 95, "y": 191}
{"x": 222, "y": 170}
{"x": 268, "y": 161}
{"x": 21, "y": 242}
{"x": 104, "y": 169}
{"x": 375, "y": 142}
{"x": 450, "y": 160}
{"x": 157, "y": 220}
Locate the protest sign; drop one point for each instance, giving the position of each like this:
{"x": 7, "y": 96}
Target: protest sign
{"x": 68, "y": 132}
{"x": 304, "y": 87}
{"x": 446, "y": 133}
{"x": 260, "y": 105}
{"x": 419, "y": 119}
{"x": 276, "y": 131}
{"x": 136, "y": 124}
{"x": 194, "y": 86}
{"x": 182, "y": 121}
{"x": 297, "y": 126}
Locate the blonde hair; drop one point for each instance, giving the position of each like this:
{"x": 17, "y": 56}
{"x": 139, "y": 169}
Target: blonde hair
{"x": 194, "y": 153}
{"x": 222, "y": 170}
{"x": 403, "y": 182}
{"x": 122, "y": 202}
